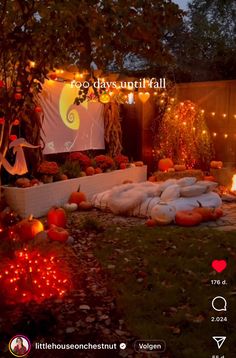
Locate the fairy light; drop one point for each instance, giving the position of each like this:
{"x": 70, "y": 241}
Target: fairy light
{"x": 15, "y": 282}
{"x": 235, "y": 116}
{"x": 224, "y": 115}
{"x": 32, "y": 64}
{"x": 202, "y": 111}
{"x": 204, "y": 132}
{"x": 162, "y": 101}
{"x": 213, "y": 114}
{"x": 226, "y": 135}
{"x": 214, "y": 134}
{"x": 155, "y": 93}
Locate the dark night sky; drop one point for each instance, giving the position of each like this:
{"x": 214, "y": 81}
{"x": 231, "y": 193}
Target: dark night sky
{"x": 182, "y": 3}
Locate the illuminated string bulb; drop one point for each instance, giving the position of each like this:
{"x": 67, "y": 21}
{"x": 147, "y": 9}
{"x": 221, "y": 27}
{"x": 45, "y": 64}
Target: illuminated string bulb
{"x": 181, "y": 103}
{"x": 168, "y": 109}
{"x": 77, "y": 75}
{"x": 194, "y": 128}
{"x": 203, "y": 132}
{"x": 155, "y": 93}
{"x": 184, "y": 123}
{"x": 32, "y": 63}
{"x": 224, "y": 115}
{"x": 111, "y": 93}
{"x": 202, "y": 111}
{"x": 214, "y": 134}
{"x": 192, "y": 107}
{"x": 213, "y": 114}
{"x": 172, "y": 99}
{"x": 226, "y": 135}
{"x": 234, "y": 115}
{"x": 162, "y": 101}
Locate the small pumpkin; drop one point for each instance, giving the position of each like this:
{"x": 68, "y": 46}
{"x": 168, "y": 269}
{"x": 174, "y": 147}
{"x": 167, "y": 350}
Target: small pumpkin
{"x": 206, "y": 212}
{"x": 56, "y": 233}
{"x": 85, "y": 205}
{"x": 70, "y": 207}
{"x": 57, "y": 216}
{"x": 216, "y": 164}
{"x": 165, "y": 164}
{"x": 188, "y": 218}
{"x": 151, "y": 223}
{"x": 23, "y": 182}
{"x": 152, "y": 178}
{"x": 139, "y": 163}
{"x": 77, "y": 197}
{"x": 98, "y": 170}
{"x": 179, "y": 167}
{"x": 209, "y": 178}
{"x": 63, "y": 177}
{"x": 29, "y": 228}
{"x": 34, "y": 182}
{"x": 90, "y": 171}
{"x": 83, "y": 174}
{"x": 163, "y": 213}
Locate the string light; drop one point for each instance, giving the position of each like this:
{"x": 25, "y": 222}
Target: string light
{"x": 202, "y": 111}
{"x": 226, "y": 136}
{"x": 213, "y": 114}
{"x": 214, "y": 134}
{"x": 224, "y": 115}
{"x": 203, "y": 132}
{"x": 27, "y": 282}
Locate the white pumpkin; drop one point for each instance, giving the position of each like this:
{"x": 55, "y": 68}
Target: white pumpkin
{"x": 186, "y": 181}
{"x": 70, "y": 207}
{"x": 163, "y": 213}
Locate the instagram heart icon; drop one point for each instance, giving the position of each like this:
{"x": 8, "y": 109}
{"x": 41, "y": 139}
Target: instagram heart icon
{"x": 219, "y": 265}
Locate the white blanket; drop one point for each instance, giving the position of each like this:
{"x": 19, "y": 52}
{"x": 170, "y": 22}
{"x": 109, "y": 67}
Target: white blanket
{"x": 138, "y": 199}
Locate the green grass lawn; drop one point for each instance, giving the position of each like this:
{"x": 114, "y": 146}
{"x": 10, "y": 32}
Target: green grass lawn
{"x": 161, "y": 278}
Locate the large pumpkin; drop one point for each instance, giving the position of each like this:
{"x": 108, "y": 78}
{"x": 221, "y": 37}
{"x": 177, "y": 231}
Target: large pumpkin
{"x": 77, "y": 197}
{"x": 58, "y": 234}
{"x": 57, "y": 216}
{"x": 165, "y": 164}
{"x": 188, "y": 218}
{"x": 163, "y": 213}
{"x": 29, "y": 228}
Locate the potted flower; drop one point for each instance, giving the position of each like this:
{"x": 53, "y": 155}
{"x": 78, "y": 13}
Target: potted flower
{"x": 104, "y": 162}
{"x": 47, "y": 170}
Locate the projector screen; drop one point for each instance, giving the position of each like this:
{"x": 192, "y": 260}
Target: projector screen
{"x": 68, "y": 127}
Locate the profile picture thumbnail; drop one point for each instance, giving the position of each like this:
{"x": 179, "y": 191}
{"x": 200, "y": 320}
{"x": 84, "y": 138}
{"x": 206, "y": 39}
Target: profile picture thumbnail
{"x": 19, "y": 346}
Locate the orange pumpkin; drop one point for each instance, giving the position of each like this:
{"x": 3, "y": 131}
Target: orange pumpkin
{"x": 76, "y": 197}
{"x": 98, "y": 170}
{"x": 209, "y": 178}
{"x": 152, "y": 178}
{"x": 216, "y": 164}
{"x": 63, "y": 177}
{"x": 188, "y": 218}
{"x": 90, "y": 171}
{"x": 29, "y": 228}
{"x": 165, "y": 164}
{"x": 56, "y": 233}
{"x": 23, "y": 182}
{"x": 205, "y": 212}
{"x": 151, "y": 223}
{"x": 57, "y": 216}
{"x": 85, "y": 205}
{"x": 179, "y": 167}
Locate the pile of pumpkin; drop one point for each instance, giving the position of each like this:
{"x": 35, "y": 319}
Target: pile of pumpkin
{"x": 27, "y": 229}
{"x": 167, "y": 215}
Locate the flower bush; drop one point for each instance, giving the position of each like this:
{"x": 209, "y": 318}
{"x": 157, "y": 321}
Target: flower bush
{"x": 120, "y": 158}
{"x": 104, "y": 162}
{"x": 83, "y": 159}
{"x": 49, "y": 168}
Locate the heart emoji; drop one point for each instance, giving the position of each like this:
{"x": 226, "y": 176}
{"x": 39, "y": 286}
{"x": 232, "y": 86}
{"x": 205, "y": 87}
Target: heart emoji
{"x": 144, "y": 97}
{"x": 219, "y": 265}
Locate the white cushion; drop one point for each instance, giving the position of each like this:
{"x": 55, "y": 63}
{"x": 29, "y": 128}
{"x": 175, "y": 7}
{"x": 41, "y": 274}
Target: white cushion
{"x": 187, "y": 181}
{"x": 171, "y": 193}
{"x": 192, "y": 190}
{"x": 209, "y": 185}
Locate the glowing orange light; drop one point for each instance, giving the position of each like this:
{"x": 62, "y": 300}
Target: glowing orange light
{"x": 233, "y": 187}
{"x": 226, "y": 136}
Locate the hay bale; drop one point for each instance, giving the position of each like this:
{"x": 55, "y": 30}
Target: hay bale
{"x": 162, "y": 176}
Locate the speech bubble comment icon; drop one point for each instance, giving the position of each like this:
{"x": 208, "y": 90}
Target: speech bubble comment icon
{"x": 219, "y": 304}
